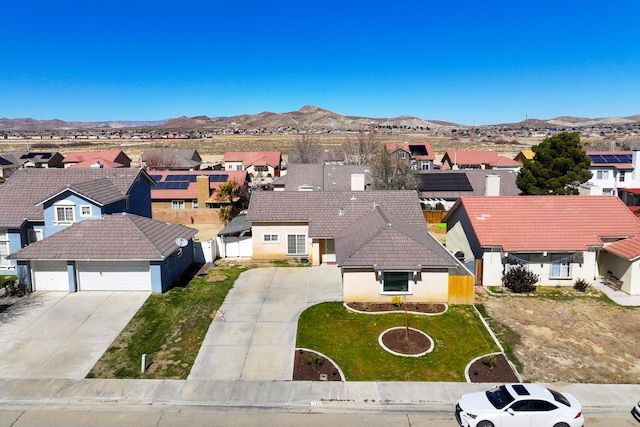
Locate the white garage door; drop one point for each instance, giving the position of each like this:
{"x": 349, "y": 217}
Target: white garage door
{"x": 114, "y": 276}
{"x": 50, "y": 275}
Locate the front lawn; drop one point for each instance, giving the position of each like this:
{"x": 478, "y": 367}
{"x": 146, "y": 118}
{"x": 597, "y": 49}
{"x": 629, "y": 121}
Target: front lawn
{"x": 351, "y": 340}
{"x": 169, "y": 328}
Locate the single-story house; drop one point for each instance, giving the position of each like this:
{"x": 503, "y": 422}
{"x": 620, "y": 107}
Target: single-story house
{"x": 97, "y": 159}
{"x": 13, "y": 160}
{"x": 119, "y": 251}
{"x": 178, "y": 159}
{"x": 559, "y": 238}
{"x": 379, "y": 239}
{"x": 478, "y": 159}
{"x": 323, "y": 177}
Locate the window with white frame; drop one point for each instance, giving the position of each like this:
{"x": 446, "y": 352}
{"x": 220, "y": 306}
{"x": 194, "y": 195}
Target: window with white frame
{"x": 194, "y": 204}
{"x": 65, "y": 213}
{"x": 602, "y": 174}
{"x": 560, "y": 266}
{"x": 396, "y": 282}
{"x": 4, "y": 249}
{"x": 270, "y": 238}
{"x": 85, "y": 210}
{"x": 296, "y": 244}
{"x": 622, "y": 176}
{"x": 177, "y": 204}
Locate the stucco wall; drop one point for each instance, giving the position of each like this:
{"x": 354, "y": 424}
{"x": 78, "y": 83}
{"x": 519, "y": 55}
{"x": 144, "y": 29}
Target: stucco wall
{"x": 628, "y": 272}
{"x": 277, "y": 250}
{"x": 362, "y": 286}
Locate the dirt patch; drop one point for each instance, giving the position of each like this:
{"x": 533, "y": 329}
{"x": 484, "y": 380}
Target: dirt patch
{"x": 405, "y": 341}
{"x": 571, "y": 337}
{"x": 309, "y": 366}
{"x": 500, "y": 371}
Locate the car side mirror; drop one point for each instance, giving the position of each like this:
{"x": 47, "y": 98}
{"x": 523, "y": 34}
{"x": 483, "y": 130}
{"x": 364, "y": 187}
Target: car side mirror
{"x": 510, "y": 411}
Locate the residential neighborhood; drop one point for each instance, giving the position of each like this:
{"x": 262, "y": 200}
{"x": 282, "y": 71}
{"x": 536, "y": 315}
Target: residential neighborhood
{"x": 94, "y": 222}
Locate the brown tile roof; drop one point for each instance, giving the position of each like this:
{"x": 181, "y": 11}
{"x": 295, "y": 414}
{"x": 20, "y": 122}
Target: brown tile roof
{"x": 329, "y": 212}
{"x": 111, "y": 237}
{"x": 380, "y": 239}
{"x": 547, "y": 223}
{"x": 27, "y": 187}
{"x": 102, "y": 191}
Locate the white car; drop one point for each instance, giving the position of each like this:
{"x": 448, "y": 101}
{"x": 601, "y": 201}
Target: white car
{"x": 519, "y": 405}
{"x": 636, "y": 412}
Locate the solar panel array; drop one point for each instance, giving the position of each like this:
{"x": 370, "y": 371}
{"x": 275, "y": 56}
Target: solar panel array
{"x": 418, "y": 150}
{"x": 611, "y": 158}
{"x": 445, "y": 182}
{"x": 182, "y": 181}
{"x": 172, "y": 185}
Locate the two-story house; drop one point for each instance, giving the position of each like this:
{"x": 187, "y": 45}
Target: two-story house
{"x": 262, "y": 166}
{"x": 419, "y": 154}
{"x": 612, "y": 170}
{"x": 74, "y": 229}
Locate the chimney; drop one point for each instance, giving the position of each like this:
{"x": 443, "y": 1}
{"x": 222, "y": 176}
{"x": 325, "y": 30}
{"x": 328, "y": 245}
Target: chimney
{"x": 492, "y": 185}
{"x": 357, "y": 182}
{"x": 202, "y": 190}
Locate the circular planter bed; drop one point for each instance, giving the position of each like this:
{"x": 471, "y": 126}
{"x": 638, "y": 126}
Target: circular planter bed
{"x": 312, "y": 366}
{"x": 397, "y": 341}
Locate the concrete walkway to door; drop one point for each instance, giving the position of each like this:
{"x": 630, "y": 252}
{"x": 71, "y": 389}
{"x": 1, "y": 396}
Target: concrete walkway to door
{"x": 253, "y": 335}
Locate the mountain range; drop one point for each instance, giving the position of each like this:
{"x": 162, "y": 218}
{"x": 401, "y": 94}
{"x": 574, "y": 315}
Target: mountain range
{"x": 307, "y": 118}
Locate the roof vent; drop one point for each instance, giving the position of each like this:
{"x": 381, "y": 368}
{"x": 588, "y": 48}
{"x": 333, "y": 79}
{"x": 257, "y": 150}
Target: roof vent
{"x": 96, "y": 165}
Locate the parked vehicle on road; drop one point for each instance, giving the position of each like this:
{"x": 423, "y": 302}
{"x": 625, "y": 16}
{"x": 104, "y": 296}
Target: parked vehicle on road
{"x": 636, "y": 412}
{"x": 519, "y": 405}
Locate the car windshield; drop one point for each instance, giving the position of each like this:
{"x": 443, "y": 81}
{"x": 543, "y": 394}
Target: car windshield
{"x": 558, "y": 397}
{"x": 499, "y": 397}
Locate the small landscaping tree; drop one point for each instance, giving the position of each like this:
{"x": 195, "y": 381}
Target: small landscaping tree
{"x": 520, "y": 280}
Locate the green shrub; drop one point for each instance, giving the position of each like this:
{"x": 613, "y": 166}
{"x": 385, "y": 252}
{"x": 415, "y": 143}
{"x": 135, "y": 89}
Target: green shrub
{"x": 490, "y": 361}
{"x": 520, "y": 280}
{"x": 581, "y": 285}
{"x": 397, "y": 300}
{"x": 315, "y": 360}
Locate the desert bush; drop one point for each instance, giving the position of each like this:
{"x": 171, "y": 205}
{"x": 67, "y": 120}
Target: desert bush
{"x": 396, "y": 300}
{"x": 490, "y": 361}
{"x": 519, "y": 280}
{"x": 581, "y": 285}
{"x": 315, "y": 360}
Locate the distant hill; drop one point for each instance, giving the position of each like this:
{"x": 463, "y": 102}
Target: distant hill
{"x": 308, "y": 118}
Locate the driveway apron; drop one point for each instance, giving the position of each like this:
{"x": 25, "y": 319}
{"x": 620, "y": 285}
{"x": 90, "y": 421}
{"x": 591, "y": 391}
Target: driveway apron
{"x": 253, "y": 335}
{"x": 61, "y": 334}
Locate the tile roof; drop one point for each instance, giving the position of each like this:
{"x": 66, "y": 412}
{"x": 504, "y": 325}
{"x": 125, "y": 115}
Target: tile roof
{"x": 27, "y": 187}
{"x": 627, "y": 248}
{"x": 504, "y": 161}
{"x": 329, "y": 212}
{"x": 475, "y": 177}
{"x": 547, "y": 223}
{"x": 112, "y": 237}
{"x": 184, "y": 157}
{"x": 103, "y": 163}
{"x": 236, "y": 226}
{"x": 321, "y": 177}
{"x": 101, "y": 191}
{"x": 80, "y": 156}
{"x": 416, "y": 154}
{"x": 271, "y": 158}
{"x": 191, "y": 192}
{"x": 379, "y": 238}
{"x": 471, "y": 157}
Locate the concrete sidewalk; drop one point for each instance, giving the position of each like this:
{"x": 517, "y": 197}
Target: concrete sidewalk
{"x": 253, "y": 336}
{"x": 287, "y": 396}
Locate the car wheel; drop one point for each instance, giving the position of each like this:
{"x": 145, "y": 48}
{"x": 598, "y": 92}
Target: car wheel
{"x": 561, "y": 425}
{"x": 484, "y": 424}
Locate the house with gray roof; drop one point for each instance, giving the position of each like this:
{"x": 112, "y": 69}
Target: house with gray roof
{"x": 324, "y": 177}
{"x": 13, "y": 160}
{"x": 38, "y": 204}
{"x": 379, "y": 240}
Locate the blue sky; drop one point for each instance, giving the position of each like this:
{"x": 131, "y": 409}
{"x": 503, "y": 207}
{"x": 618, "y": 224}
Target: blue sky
{"x": 460, "y": 61}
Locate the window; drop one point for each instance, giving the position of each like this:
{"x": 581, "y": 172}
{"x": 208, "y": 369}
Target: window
{"x": 238, "y": 167}
{"x": 622, "y": 176}
{"x": 559, "y": 266}
{"x": 85, "y": 210}
{"x": 602, "y": 174}
{"x": 194, "y": 204}
{"x": 270, "y": 238}
{"x": 4, "y": 248}
{"x": 396, "y": 282}
{"x": 296, "y": 244}
{"x": 35, "y": 235}
{"x": 64, "y": 214}
{"x": 177, "y": 204}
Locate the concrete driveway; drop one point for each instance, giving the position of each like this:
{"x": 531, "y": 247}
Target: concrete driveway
{"x": 253, "y": 336}
{"x": 61, "y": 334}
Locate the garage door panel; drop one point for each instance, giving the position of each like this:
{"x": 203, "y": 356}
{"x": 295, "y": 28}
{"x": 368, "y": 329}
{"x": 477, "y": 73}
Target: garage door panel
{"x": 50, "y": 275}
{"x": 114, "y": 276}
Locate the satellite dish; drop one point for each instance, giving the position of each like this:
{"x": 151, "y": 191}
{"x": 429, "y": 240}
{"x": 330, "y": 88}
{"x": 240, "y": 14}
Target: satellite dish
{"x": 182, "y": 242}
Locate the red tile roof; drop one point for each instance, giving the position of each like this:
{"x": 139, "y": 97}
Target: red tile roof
{"x": 248, "y": 158}
{"x": 91, "y": 162}
{"x": 627, "y": 248}
{"x": 471, "y": 157}
{"x": 547, "y": 223}
{"x": 395, "y": 146}
{"x": 80, "y": 156}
